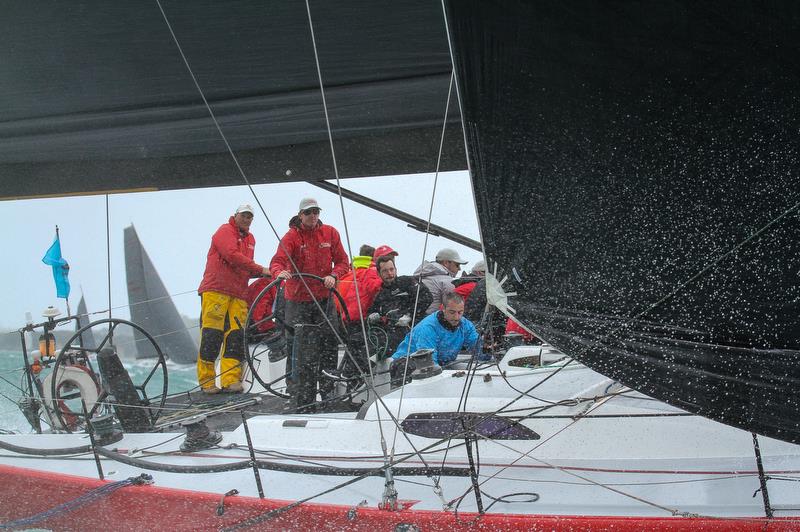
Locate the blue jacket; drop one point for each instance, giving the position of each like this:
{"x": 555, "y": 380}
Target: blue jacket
{"x": 431, "y": 334}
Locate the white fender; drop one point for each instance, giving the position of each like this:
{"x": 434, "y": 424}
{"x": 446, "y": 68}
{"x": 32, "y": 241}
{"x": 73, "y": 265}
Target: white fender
{"x": 78, "y": 376}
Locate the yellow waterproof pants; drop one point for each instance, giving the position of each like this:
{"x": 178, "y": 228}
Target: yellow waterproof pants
{"x": 220, "y": 331}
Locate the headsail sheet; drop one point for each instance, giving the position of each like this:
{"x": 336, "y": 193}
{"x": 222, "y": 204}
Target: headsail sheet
{"x": 152, "y": 307}
{"x": 96, "y": 97}
{"x": 635, "y": 166}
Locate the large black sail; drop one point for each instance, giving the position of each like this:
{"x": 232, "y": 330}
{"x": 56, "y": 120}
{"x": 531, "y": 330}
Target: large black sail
{"x": 636, "y": 165}
{"x": 95, "y": 96}
{"x": 151, "y": 307}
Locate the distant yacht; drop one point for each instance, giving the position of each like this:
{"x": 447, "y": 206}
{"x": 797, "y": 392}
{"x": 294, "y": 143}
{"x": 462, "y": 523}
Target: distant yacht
{"x": 151, "y": 306}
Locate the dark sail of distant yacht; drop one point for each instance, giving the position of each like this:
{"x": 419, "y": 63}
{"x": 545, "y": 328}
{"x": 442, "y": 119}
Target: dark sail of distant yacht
{"x": 152, "y": 307}
{"x": 86, "y": 339}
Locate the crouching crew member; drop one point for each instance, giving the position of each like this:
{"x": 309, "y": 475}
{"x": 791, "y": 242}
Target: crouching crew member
{"x": 223, "y": 291}
{"x": 446, "y": 332}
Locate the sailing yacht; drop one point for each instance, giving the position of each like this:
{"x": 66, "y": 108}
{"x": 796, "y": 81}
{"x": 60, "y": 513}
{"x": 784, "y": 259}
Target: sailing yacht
{"x": 634, "y": 173}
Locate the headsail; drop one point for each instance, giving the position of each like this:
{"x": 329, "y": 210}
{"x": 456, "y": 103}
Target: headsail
{"x": 636, "y": 168}
{"x": 152, "y": 308}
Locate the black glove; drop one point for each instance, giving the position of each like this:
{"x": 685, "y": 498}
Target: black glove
{"x": 398, "y": 367}
{"x": 392, "y": 315}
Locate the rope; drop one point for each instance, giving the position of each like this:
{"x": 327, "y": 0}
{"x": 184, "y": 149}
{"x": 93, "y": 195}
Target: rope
{"x": 527, "y": 454}
{"x": 86, "y": 498}
{"x": 422, "y": 261}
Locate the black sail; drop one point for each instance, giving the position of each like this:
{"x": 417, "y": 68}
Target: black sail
{"x": 95, "y": 96}
{"x": 635, "y": 166}
{"x": 151, "y": 307}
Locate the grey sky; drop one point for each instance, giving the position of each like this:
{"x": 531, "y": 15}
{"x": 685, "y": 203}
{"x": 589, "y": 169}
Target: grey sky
{"x": 175, "y": 228}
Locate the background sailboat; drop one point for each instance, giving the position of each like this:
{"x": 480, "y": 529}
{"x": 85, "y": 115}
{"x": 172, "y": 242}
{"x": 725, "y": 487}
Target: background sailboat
{"x": 86, "y": 339}
{"x": 151, "y": 307}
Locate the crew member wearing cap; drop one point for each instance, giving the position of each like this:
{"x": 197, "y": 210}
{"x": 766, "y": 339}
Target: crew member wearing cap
{"x": 438, "y": 276}
{"x": 365, "y": 275}
{"x": 223, "y": 291}
{"x": 466, "y": 283}
{"x": 315, "y": 248}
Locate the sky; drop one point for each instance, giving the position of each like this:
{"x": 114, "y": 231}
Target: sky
{"x": 175, "y": 228}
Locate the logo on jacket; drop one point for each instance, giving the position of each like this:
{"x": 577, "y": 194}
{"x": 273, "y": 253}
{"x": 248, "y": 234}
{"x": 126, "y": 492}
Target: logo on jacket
{"x": 325, "y": 244}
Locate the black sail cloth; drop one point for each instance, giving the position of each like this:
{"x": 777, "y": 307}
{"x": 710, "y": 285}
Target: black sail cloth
{"x": 95, "y": 96}
{"x": 635, "y": 165}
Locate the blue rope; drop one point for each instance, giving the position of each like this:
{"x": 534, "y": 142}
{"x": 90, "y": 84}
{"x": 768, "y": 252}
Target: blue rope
{"x": 74, "y": 504}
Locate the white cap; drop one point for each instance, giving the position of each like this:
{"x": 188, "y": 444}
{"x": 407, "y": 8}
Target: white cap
{"x": 449, "y": 254}
{"x": 308, "y": 203}
{"x": 244, "y": 207}
{"x": 480, "y": 267}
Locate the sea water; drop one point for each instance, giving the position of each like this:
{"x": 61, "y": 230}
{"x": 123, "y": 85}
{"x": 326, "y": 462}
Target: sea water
{"x": 13, "y": 383}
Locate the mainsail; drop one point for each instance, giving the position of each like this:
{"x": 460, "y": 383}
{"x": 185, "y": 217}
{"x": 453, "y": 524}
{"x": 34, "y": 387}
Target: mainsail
{"x": 152, "y": 308}
{"x": 635, "y": 169}
{"x": 142, "y": 125}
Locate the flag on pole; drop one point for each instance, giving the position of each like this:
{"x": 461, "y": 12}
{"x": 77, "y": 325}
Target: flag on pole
{"x": 60, "y": 268}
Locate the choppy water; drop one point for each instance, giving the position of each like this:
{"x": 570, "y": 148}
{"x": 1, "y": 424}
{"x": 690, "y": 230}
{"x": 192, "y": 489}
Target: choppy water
{"x": 13, "y": 382}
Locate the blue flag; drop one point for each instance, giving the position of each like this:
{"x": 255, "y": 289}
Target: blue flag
{"x": 60, "y": 268}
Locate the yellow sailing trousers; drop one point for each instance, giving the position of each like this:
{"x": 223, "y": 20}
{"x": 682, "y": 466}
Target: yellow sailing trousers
{"x": 220, "y": 331}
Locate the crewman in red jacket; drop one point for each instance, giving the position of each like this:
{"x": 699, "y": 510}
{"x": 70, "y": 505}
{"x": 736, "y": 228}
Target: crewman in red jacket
{"x": 223, "y": 291}
{"x": 309, "y": 247}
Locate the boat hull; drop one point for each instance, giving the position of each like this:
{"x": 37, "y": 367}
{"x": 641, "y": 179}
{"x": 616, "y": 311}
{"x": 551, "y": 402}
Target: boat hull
{"x": 27, "y": 492}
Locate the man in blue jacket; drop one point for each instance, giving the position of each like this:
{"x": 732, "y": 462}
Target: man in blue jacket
{"x": 446, "y": 332}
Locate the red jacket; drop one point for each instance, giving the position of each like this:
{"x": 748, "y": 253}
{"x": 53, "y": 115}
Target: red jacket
{"x": 230, "y": 264}
{"x": 369, "y": 284}
{"x": 513, "y": 327}
{"x": 264, "y": 308}
{"x": 317, "y": 251}
{"x": 465, "y": 289}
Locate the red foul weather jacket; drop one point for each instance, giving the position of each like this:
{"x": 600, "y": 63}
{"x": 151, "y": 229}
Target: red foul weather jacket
{"x": 369, "y": 284}
{"x": 230, "y": 264}
{"x": 317, "y": 251}
{"x": 264, "y": 307}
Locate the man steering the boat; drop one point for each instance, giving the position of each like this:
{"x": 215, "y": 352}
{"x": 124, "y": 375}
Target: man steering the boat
{"x": 314, "y": 248}
{"x": 223, "y": 290}
{"x": 446, "y": 332}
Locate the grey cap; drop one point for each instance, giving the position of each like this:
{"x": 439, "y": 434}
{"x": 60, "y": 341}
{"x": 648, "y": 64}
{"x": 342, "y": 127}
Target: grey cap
{"x": 449, "y": 254}
{"x": 479, "y": 268}
{"x": 309, "y": 203}
{"x": 244, "y": 207}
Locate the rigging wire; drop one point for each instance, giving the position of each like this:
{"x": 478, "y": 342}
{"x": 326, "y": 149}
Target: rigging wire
{"x": 527, "y": 454}
{"x": 108, "y": 254}
{"x": 255, "y": 196}
{"x": 341, "y": 206}
{"x": 422, "y": 260}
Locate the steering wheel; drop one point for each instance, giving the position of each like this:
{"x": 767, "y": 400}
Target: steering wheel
{"x": 257, "y": 353}
{"x": 74, "y": 354}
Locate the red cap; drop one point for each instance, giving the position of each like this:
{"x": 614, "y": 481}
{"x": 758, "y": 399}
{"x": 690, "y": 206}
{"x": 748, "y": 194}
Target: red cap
{"x": 380, "y": 251}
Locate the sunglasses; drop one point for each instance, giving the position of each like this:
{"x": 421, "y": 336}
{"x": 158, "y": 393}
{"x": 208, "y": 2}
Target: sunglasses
{"x": 313, "y": 210}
